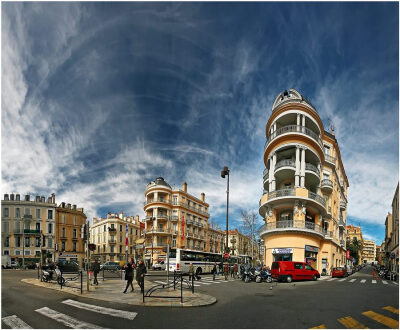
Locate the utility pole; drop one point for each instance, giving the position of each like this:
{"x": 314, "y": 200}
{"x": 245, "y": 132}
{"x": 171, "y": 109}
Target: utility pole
{"x": 87, "y": 255}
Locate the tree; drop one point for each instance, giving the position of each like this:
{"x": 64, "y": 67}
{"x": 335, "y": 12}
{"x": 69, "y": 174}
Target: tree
{"x": 249, "y": 225}
{"x": 354, "y": 247}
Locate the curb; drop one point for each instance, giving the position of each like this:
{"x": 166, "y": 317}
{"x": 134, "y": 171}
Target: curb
{"x": 198, "y": 300}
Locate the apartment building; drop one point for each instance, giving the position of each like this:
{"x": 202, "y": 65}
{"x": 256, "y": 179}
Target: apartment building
{"x": 240, "y": 244}
{"x": 115, "y": 236}
{"x": 28, "y": 227}
{"x": 215, "y": 239}
{"x": 392, "y": 235}
{"x": 69, "y": 243}
{"x": 369, "y": 251}
{"x": 304, "y": 204}
{"x": 355, "y": 232}
{"x": 175, "y": 218}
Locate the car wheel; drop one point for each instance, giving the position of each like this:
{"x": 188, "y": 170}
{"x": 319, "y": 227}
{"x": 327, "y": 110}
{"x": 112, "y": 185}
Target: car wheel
{"x": 314, "y": 277}
{"x": 289, "y": 279}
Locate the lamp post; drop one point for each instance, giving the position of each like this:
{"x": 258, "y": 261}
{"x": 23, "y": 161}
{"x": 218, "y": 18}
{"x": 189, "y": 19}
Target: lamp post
{"x": 152, "y": 240}
{"x": 225, "y": 172}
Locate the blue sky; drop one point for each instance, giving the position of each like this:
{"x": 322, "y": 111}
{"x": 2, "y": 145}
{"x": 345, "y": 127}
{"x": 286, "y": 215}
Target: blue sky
{"x": 98, "y": 99}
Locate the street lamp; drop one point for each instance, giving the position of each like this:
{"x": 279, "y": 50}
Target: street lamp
{"x": 225, "y": 172}
{"x": 152, "y": 240}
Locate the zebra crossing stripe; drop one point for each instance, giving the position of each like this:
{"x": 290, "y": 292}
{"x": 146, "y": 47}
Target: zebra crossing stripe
{"x": 354, "y": 279}
{"x": 342, "y": 279}
{"x": 332, "y": 279}
{"x": 395, "y": 283}
{"x": 65, "y": 319}
{"x": 363, "y": 281}
{"x": 373, "y": 281}
{"x": 384, "y": 282}
{"x": 101, "y": 310}
{"x": 14, "y": 322}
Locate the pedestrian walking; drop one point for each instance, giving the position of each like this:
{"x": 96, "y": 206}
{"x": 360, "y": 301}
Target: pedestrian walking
{"x": 220, "y": 266}
{"x": 191, "y": 271}
{"x": 226, "y": 271}
{"x": 235, "y": 270}
{"x": 129, "y": 267}
{"x": 96, "y": 270}
{"x": 140, "y": 271}
{"x": 214, "y": 270}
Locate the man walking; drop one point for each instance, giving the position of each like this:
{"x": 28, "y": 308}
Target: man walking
{"x": 96, "y": 270}
{"x": 226, "y": 271}
{"x": 191, "y": 271}
{"x": 214, "y": 270}
{"x": 140, "y": 271}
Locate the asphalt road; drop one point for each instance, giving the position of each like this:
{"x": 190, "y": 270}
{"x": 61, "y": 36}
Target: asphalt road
{"x": 240, "y": 305}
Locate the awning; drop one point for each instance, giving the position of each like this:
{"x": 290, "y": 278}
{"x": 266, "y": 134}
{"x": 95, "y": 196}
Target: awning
{"x": 139, "y": 241}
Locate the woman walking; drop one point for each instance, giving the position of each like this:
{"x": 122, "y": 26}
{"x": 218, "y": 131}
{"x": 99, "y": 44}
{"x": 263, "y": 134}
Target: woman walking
{"x": 140, "y": 271}
{"x": 129, "y": 274}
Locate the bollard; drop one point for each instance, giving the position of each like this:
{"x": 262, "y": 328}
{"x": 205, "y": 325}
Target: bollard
{"x": 103, "y": 273}
{"x": 81, "y": 282}
{"x": 192, "y": 284}
{"x": 174, "y": 279}
{"x": 61, "y": 280}
{"x": 38, "y": 275}
{"x": 143, "y": 286}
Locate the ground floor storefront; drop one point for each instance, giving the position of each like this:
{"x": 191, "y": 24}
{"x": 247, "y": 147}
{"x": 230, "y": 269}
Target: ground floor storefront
{"x": 318, "y": 253}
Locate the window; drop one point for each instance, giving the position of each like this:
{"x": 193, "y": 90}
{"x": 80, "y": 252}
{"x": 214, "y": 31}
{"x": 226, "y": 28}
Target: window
{"x": 63, "y": 232}
{"x": 130, "y": 240}
{"x": 7, "y": 242}
{"x": 63, "y": 219}
{"x": 27, "y": 241}
{"x": 288, "y": 185}
{"x": 131, "y": 230}
{"x": 17, "y": 240}
{"x": 120, "y": 227}
{"x": 120, "y": 249}
{"x": 38, "y": 215}
{"x": 37, "y": 226}
{"x": 6, "y": 227}
{"x": 175, "y": 200}
{"x": 6, "y": 212}
{"x": 74, "y": 246}
{"x": 105, "y": 228}
{"x": 17, "y": 252}
{"x": 50, "y": 214}
{"x": 37, "y": 241}
{"x": 112, "y": 226}
{"x": 62, "y": 246}
{"x": 27, "y": 211}
{"x": 136, "y": 232}
{"x": 120, "y": 238}
{"x": 75, "y": 221}
{"x": 49, "y": 242}
{"x": 27, "y": 252}
{"x": 18, "y": 212}
{"x": 49, "y": 228}
{"x": 327, "y": 150}
{"x": 27, "y": 225}
{"x": 74, "y": 233}
{"x": 112, "y": 249}
{"x": 308, "y": 267}
{"x": 104, "y": 248}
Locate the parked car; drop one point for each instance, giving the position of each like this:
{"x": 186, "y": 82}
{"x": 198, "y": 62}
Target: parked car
{"x": 293, "y": 270}
{"x": 339, "y": 272}
{"x": 159, "y": 265}
{"x": 68, "y": 266}
{"x": 30, "y": 265}
{"x": 110, "y": 265}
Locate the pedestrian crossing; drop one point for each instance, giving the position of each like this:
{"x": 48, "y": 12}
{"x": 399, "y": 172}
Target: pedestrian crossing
{"x": 373, "y": 317}
{"x": 203, "y": 281}
{"x": 362, "y": 281}
{"x": 15, "y": 322}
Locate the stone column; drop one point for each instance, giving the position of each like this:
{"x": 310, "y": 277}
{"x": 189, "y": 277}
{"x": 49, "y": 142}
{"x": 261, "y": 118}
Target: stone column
{"x": 297, "y": 173}
{"x": 303, "y": 167}
{"x": 273, "y": 174}
{"x": 298, "y": 119}
{"x": 270, "y": 174}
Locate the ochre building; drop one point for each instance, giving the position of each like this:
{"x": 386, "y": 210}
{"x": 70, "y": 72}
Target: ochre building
{"x": 355, "y": 232}
{"x": 305, "y": 187}
{"x": 174, "y": 217}
{"x": 369, "y": 251}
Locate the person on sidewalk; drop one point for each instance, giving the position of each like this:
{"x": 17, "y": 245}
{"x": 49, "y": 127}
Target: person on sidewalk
{"x": 140, "y": 271}
{"x": 214, "y": 270}
{"x": 191, "y": 271}
{"x": 220, "y": 266}
{"x": 235, "y": 270}
{"x": 226, "y": 271}
{"x": 129, "y": 274}
{"x": 96, "y": 270}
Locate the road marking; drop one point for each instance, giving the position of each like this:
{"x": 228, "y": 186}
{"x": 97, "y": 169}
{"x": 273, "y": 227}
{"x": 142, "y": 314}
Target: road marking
{"x": 395, "y": 283}
{"x": 389, "y": 322}
{"x": 66, "y": 320}
{"x": 391, "y": 309}
{"x": 351, "y": 323}
{"x": 204, "y": 282}
{"x": 332, "y": 279}
{"x": 342, "y": 279}
{"x": 353, "y": 280}
{"x": 373, "y": 281}
{"x": 322, "y": 326}
{"x": 101, "y": 310}
{"x": 363, "y": 281}
{"x": 14, "y": 322}
{"x": 384, "y": 282}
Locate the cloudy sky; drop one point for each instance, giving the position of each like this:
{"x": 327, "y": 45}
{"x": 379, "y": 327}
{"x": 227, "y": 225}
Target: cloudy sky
{"x": 98, "y": 99}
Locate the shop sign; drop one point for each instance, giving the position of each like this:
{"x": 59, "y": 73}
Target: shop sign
{"x": 311, "y": 248}
{"x": 348, "y": 254}
{"x": 282, "y": 251}
{"x": 68, "y": 255}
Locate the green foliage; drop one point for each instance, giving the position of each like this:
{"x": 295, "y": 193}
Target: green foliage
{"x": 354, "y": 247}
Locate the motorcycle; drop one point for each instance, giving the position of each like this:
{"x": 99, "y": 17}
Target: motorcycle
{"x": 249, "y": 275}
{"x": 263, "y": 275}
{"x": 47, "y": 275}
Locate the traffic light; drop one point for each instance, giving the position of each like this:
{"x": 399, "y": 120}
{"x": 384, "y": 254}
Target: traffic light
{"x": 92, "y": 247}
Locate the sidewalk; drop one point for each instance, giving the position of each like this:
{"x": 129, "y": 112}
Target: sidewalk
{"x": 111, "y": 290}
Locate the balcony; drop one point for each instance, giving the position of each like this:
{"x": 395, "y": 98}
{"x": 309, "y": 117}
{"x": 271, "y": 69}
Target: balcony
{"x": 159, "y": 217}
{"x": 341, "y": 222}
{"x": 285, "y": 163}
{"x": 343, "y": 205}
{"x": 342, "y": 243}
{"x": 189, "y": 222}
{"x": 111, "y": 229}
{"x": 265, "y": 175}
{"x": 112, "y": 241}
{"x": 32, "y": 231}
{"x": 157, "y": 200}
{"x": 294, "y": 129}
{"x": 327, "y": 185}
{"x": 292, "y": 226}
{"x": 159, "y": 230}
{"x": 174, "y": 218}
{"x": 330, "y": 159}
{"x": 18, "y": 231}
{"x": 190, "y": 207}
{"x": 312, "y": 168}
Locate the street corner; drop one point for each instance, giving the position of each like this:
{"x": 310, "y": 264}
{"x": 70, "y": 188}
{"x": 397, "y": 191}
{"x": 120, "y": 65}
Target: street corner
{"x": 51, "y": 285}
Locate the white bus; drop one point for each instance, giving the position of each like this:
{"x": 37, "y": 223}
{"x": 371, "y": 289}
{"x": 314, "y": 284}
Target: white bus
{"x": 203, "y": 262}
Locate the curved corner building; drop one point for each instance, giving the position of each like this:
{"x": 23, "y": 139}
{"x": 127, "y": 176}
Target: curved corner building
{"x": 305, "y": 187}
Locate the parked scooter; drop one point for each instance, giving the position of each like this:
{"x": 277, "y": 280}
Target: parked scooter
{"x": 263, "y": 275}
{"x": 249, "y": 274}
{"x": 47, "y": 275}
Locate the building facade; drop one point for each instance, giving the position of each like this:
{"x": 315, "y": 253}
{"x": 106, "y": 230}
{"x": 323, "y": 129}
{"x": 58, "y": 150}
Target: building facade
{"x": 110, "y": 235}
{"x": 69, "y": 243}
{"x": 240, "y": 244}
{"x": 392, "y": 235}
{"x": 174, "y": 218}
{"x": 355, "y": 232}
{"x": 304, "y": 204}
{"x": 369, "y": 251}
{"x": 215, "y": 239}
{"x": 28, "y": 228}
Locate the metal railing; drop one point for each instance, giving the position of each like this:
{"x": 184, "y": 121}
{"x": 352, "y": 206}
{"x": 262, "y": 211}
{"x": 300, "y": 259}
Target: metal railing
{"x": 312, "y": 168}
{"x": 296, "y": 224}
{"x": 281, "y": 193}
{"x": 157, "y": 200}
{"x": 112, "y": 273}
{"x": 330, "y": 159}
{"x": 265, "y": 174}
{"x": 190, "y": 207}
{"x": 343, "y": 205}
{"x": 294, "y": 129}
{"x": 341, "y": 222}
{"x": 174, "y": 218}
{"x": 318, "y": 198}
{"x": 326, "y": 183}
{"x": 285, "y": 163}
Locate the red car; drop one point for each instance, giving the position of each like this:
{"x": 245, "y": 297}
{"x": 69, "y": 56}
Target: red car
{"x": 339, "y": 272}
{"x": 293, "y": 270}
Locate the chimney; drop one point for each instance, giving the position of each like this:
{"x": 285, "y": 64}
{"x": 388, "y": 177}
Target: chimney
{"x": 69, "y": 206}
{"x": 42, "y": 199}
{"x": 63, "y": 205}
{"x": 53, "y": 198}
{"x": 184, "y": 187}
{"x": 27, "y": 197}
{"x": 17, "y": 197}
{"x": 74, "y": 207}
{"x": 37, "y": 199}
{"x": 121, "y": 215}
{"x": 203, "y": 197}
{"x": 6, "y": 197}
{"x": 12, "y": 197}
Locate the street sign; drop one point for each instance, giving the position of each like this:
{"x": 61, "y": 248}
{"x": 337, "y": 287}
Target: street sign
{"x": 226, "y": 255}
